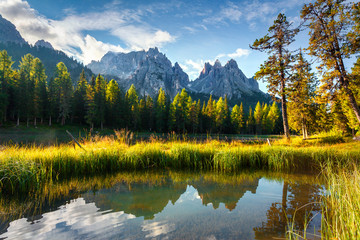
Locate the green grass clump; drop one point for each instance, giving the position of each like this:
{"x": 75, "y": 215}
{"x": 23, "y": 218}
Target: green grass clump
{"x": 341, "y": 206}
{"x": 26, "y": 168}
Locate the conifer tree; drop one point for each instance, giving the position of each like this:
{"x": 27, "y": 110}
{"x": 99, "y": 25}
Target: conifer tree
{"x": 237, "y": 118}
{"x": 221, "y": 114}
{"x": 143, "y": 113}
{"x": 65, "y": 91}
{"x": 250, "y": 123}
{"x": 210, "y": 114}
{"x": 160, "y": 111}
{"x": 6, "y": 76}
{"x": 179, "y": 112}
{"x": 100, "y": 100}
{"x": 132, "y": 100}
{"x": 40, "y": 91}
{"x": 90, "y": 106}
{"x": 302, "y": 96}
{"x": 114, "y": 103}
{"x": 26, "y": 86}
{"x": 276, "y": 68}
{"x": 265, "y": 124}
{"x": 149, "y": 122}
{"x": 338, "y": 121}
{"x": 79, "y": 102}
{"x": 273, "y": 116}
{"x": 54, "y": 99}
{"x": 258, "y": 114}
{"x": 329, "y": 22}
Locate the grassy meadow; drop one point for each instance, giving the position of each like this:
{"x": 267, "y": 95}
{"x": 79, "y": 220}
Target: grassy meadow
{"x": 30, "y": 168}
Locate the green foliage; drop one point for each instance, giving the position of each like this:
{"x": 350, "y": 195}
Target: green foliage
{"x": 6, "y": 75}
{"x": 237, "y": 118}
{"x": 79, "y": 99}
{"x": 161, "y": 111}
{"x": 132, "y": 102}
{"x": 100, "y": 100}
{"x": 276, "y": 69}
{"x": 64, "y": 84}
{"x": 302, "y": 97}
{"x": 27, "y": 95}
{"x": 330, "y": 41}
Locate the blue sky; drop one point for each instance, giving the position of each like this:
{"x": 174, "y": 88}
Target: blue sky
{"x": 189, "y": 32}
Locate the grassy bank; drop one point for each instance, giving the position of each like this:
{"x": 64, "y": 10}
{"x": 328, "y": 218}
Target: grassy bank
{"x": 340, "y": 206}
{"x": 26, "y": 168}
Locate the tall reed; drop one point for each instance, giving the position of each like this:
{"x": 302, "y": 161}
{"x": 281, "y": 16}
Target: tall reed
{"x": 26, "y": 168}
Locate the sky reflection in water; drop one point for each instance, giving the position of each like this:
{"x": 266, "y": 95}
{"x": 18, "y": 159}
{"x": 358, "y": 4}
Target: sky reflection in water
{"x": 199, "y": 209}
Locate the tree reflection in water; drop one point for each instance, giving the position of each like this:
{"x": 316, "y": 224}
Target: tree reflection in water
{"x": 299, "y": 205}
{"x": 148, "y": 194}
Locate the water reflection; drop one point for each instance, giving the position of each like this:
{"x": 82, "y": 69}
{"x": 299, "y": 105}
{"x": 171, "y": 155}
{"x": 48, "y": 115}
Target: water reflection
{"x": 229, "y": 194}
{"x": 164, "y": 205}
{"x": 300, "y": 204}
{"x": 139, "y": 199}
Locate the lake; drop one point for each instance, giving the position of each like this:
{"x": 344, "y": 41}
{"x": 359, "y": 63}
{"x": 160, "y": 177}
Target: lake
{"x": 166, "y": 205}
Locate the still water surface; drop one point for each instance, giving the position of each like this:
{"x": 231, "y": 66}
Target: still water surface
{"x": 173, "y": 206}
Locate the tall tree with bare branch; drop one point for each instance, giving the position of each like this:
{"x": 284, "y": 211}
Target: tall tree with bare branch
{"x": 331, "y": 40}
{"x": 276, "y": 69}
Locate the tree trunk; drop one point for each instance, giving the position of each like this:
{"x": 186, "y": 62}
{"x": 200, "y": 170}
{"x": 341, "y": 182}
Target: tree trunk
{"x": 27, "y": 122}
{"x": 283, "y": 97}
{"x": 35, "y": 121}
{"x": 18, "y": 121}
{"x": 41, "y": 120}
{"x": 353, "y": 103}
{"x": 344, "y": 81}
{"x": 50, "y": 120}
{"x": 303, "y": 129}
{"x": 285, "y": 117}
{"x": 284, "y": 194}
{"x": 62, "y": 121}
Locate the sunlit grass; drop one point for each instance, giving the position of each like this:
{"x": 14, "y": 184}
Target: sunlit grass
{"x": 341, "y": 206}
{"x": 26, "y": 168}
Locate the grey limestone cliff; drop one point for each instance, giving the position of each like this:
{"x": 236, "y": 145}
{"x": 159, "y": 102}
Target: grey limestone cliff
{"x": 147, "y": 70}
{"x": 8, "y": 32}
{"x": 43, "y": 43}
{"x": 224, "y": 80}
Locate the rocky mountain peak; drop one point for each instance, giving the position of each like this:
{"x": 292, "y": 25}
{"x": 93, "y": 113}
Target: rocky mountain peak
{"x": 217, "y": 64}
{"x": 8, "y": 32}
{"x": 231, "y": 64}
{"x": 147, "y": 70}
{"x": 43, "y": 43}
{"x": 153, "y": 51}
{"x": 224, "y": 80}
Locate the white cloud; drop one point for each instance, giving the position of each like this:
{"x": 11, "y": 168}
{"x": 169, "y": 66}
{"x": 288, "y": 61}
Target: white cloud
{"x": 94, "y": 50}
{"x": 68, "y": 35}
{"x": 239, "y": 53}
{"x": 194, "y": 67}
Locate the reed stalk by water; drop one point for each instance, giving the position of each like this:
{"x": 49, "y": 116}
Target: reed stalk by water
{"x": 341, "y": 206}
{"x": 26, "y": 168}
